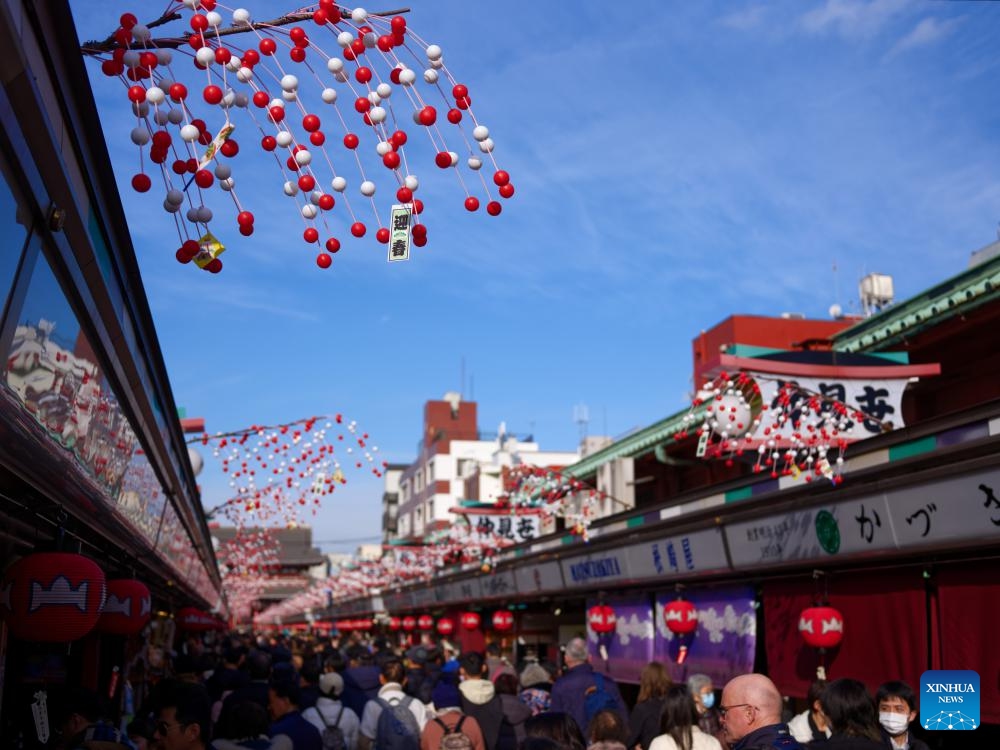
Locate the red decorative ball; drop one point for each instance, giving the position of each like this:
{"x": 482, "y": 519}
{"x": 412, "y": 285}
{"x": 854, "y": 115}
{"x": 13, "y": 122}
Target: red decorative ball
{"x": 459, "y": 91}
{"x": 310, "y": 235}
{"x": 260, "y": 99}
{"x": 268, "y": 47}
{"x": 404, "y": 195}
{"x": 398, "y": 24}
{"x": 493, "y": 208}
{"x": 470, "y": 620}
{"x": 214, "y": 265}
{"x": 394, "y": 74}
{"x": 323, "y": 260}
{"x": 443, "y": 159}
{"x": 190, "y": 248}
{"x": 503, "y": 620}
{"x": 350, "y": 54}
{"x": 680, "y": 617}
{"x": 395, "y": 623}
{"x": 157, "y": 155}
{"x": 425, "y": 622}
{"x": 358, "y": 47}
{"x": 127, "y": 608}
{"x": 196, "y": 41}
{"x": 601, "y": 619}
{"x": 203, "y": 178}
{"x": 179, "y": 166}
{"x": 320, "y": 17}
{"x": 251, "y": 58}
{"x": 297, "y": 54}
{"x": 317, "y": 138}
{"x": 229, "y": 148}
{"x": 310, "y": 123}
{"x": 418, "y": 207}
{"x": 382, "y": 235}
{"x": 128, "y": 21}
{"x": 464, "y": 103}
{"x": 409, "y": 623}
{"x": 268, "y": 143}
{"x": 137, "y": 94}
{"x": 391, "y": 159}
{"x": 223, "y": 56}
{"x": 472, "y": 203}
{"x": 306, "y": 183}
{"x": 419, "y": 241}
{"x": 244, "y": 218}
{"x": 361, "y": 104}
{"x": 148, "y": 60}
{"x": 506, "y": 191}
{"x": 351, "y": 140}
{"x": 454, "y": 116}
{"x": 141, "y": 183}
{"x": 112, "y": 68}
{"x": 358, "y": 229}
{"x": 363, "y": 75}
{"x": 333, "y": 245}
{"x": 821, "y": 627}
{"x": 398, "y": 138}
{"x": 500, "y": 177}
{"x": 181, "y": 257}
{"x": 297, "y": 34}
{"x": 428, "y": 116}
{"x": 54, "y": 597}
{"x": 384, "y": 43}
{"x": 199, "y": 22}
{"x": 445, "y": 626}
{"x": 246, "y": 229}
{"x": 277, "y": 113}
{"x": 326, "y": 201}
{"x": 292, "y": 164}
{"x": 192, "y": 165}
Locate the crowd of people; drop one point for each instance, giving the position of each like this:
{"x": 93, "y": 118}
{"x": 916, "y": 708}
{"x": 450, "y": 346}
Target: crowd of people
{"x": 302, "y": 694}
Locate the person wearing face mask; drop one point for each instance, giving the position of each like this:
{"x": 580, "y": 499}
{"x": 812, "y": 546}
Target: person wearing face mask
{"x": 703, "y": 693}
{"x": 896, "y": 703}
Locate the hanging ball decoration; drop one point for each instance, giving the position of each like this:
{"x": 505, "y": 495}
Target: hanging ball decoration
{"x": 821, "y": 627}
{"x": 323, "y": 260}
{"x": 409, "y": 623}
{"x": 395, "y": 624}
{"x": 445, "y": 626}
{"x": 470, "y": 620}
{"x": 503, "y": 620}
{"x": 601, "y": 619}
{"x": 53, "y": 597}
{"x": 425, "y": 622}
{"x": 680, "y": 617}
{"x": 127, "y": 609}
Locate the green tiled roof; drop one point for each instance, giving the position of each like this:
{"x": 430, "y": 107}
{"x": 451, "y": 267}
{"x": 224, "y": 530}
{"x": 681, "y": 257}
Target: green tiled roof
{"x": 959, "y": 294}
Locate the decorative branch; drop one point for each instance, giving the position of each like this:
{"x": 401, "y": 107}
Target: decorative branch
{"x": 96, "y": 48}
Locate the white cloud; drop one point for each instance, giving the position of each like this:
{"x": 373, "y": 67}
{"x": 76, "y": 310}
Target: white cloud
{"x": 852, "y": 19}
{"x": 745, "y": 20}
{"x": 928, "y": 31}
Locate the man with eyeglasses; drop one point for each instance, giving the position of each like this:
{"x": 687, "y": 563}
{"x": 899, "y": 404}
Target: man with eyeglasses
{"x": 183, "y": 718}
{"x": 751, "y": 715}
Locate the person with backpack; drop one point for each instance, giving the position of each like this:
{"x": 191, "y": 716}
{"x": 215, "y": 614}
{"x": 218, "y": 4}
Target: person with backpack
{"x": 480, "y": 699}
{"x": 450, "y": 729}
{"x": 393, "y": 720}
{"x": 581, "y": 691}
{"x": 337, "y": 724}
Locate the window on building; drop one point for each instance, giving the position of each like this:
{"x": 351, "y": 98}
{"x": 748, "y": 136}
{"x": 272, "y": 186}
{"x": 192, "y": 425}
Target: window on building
{"x": 430, "y": 472}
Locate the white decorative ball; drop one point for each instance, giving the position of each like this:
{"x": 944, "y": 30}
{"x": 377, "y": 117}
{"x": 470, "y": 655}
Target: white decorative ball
{"x": 329, "y": 95}
{"x": 284, "y": 138}
{"x": 289, "y": 82}
{"x": 303, "y": 158}
{"x": 374, "y": 98}
{"x": 192, "y": 4}
{"x": 214, "y": 18}
{"x": 454, "y": 158}
{"x": 434, "y": 52}
{"x": 175, "y": 197}
{"x": 309, "y": 211}
{"x": 164, "y": 57}
{"x": 131, "y": 59}
{"x": 242, "y": 100}
{"x": 480, "y": 132}
{"x": 241, "y": 16}
{"x": 291, "y": 189}
{"x": 234, "y": 64}
{"x": 227, "y": 184}
{"x": 437, "y": 64}
{"x": 141, "y": 33}
{"x": 223, "y": 171}
{"x": 430, "y": 75}
{"x": 140, "y": 136}
{"x": 335, "y": 64}
{"x": 204, "y": 214}
{"x": 377, "y": 114}
{"x": 407, "y": 77}
{"x": 170, "y": 208}
{"x": 244, "y": 75}
{"x": 175, "y": 116}
{"x": 368, "y": 188}
{"x": 381, "y": 148}
{"x": 276, "y": 103}
{"x": 486, "y": 146}
{"x": 369, "y": 40}
{"x": 411, "y": 182}
{"x": 190, "y": 133}
{"x": 192, "y": 215}
{"x": 339, "y": 184}
{"x": 384, "y": 90}
{"x": 344, "y": 38}
{"x": 289, "y": 96}
{"x": 314, "y": 197}
{"x": 205, "y": 56}
{"x": 359, "y": 15}
{"x": 228, "y": 99}
{"x": 161, "y": 116}
{"x": 475, "y": 163}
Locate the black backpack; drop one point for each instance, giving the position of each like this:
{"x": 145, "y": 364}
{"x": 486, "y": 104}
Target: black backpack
{"x": 333, "y": 735}
{"x": 454, "y": 738}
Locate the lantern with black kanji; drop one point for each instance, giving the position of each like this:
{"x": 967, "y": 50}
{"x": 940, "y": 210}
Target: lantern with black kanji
{"x": 395, "y": 624}
{"x": 503, "y": 620}
{"x": 425, "y": 622}
{"x": 127, "y": 608}
{"x": 445, "y": 626}
{"x": 470, "y": 620}
{"x": 194, "y": 620}
{"x": 54, "y": 597}
{"x": 821, "y": 627}
{"x": 409, "y": 623}
{"x": 681, "y": 619}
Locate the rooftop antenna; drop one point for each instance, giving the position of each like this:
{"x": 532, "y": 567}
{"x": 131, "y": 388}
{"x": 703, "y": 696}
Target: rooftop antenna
{"x": 581, "y": 415}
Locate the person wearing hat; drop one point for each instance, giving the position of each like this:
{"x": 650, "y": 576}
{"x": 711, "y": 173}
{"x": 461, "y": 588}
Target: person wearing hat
{"x": 447, "y": 702}
{"x": 329, "y": 711}
{"x": 537, "y": 689}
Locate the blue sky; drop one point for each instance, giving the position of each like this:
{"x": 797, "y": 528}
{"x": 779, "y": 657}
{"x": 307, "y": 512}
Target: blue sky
{"x": 675, "y": 163}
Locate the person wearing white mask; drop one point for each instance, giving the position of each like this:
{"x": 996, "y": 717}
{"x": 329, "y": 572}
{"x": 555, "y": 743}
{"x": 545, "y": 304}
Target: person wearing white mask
{"x": 896, "y": 704}
{"x": 703, "y": 693}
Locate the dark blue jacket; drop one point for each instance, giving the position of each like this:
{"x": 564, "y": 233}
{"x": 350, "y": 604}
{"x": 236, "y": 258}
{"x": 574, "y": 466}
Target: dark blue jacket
{"x": 361, "y": 684}
{"x": 766, "y": 738}
{"x": 569, "y": 694}
{"x": 304, "y": 736}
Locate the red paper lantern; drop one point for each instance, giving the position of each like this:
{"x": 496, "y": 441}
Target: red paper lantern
{"x": 395, "y": 623}
{"x": 363, "y": 624}
{"x": 127, "y": 608}
{"x": 425, "y": 622}
{"x": 445, "y": 626}
{"x": 503, "y": 620}
{"x": 55, "y": 597}
{"x": 821, "y": 627}
{"x": 680, "y": 617}
{"x": 409, "y": 623}
{"x": 470, "y": 620}
{"x": 195, "y": 620}
{"x": 601, "y": 619}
